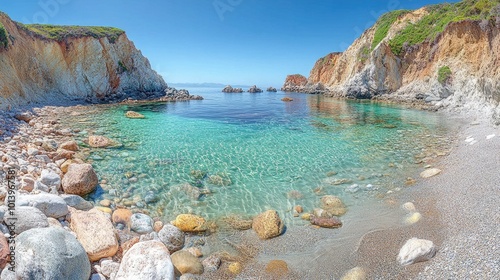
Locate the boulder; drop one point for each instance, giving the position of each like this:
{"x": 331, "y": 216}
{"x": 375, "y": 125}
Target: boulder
{"x": 77, "y": 202}
{"x": 96, "y": 141}
{"x": 50, "y": 179}
{"x": 172, "y": 237}
{"x": 141, "y": 223}
{"x": 26, "y": 219}
{"x": 80, "y": 179}
{"x": 149, "y": 260}
{"x": 333, "y": 205}
{"x": 134, "y": 115}
{"x": 331, "y": 222}
{"x": 50, "y": 204}
{"x": 50, "y": 254}
{"x": 416, "y": 250}
{"x": 4, "y": 251}
{"x": 268, "y": 224}
{"x": 96, "y": 233}
{"x": 184, "y": 262}
{"x": 189, "y": 223}
{"x": 430, "y": 172}
{"x": 271, "y": 89}
{"x": 70, "y": 146}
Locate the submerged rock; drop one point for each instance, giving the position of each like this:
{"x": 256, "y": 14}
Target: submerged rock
{"x": 286, "y": 99}
{"x": 277, "y": 268}
{"x": 416, "y": 250}
{"x": 211, "y": 263}
{"x": 332, "y": 222}
{"x": 268, "y": 225}
{"x": 185, "y": 262}
{"x": 97, "y": 141}
{"x": 134, "y": 115}
{"x": 333, "y": 205}
{"x": 190, "y": 223}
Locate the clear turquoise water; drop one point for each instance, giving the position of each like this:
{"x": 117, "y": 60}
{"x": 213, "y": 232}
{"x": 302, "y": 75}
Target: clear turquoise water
{"x": 264, "y": 146}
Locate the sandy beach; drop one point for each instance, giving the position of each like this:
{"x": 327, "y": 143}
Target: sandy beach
{"x": 460, "y": 215}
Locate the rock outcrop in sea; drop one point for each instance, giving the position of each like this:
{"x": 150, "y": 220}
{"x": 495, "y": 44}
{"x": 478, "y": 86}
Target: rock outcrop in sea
{"x": 455, "y": 66}
{"x": 82, "y": 64}
{"x": 254, "y": 89}
{"x": 230, "y": 89}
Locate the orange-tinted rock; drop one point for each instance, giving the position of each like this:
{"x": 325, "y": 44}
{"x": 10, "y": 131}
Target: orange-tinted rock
{"x": 189, "y": 223}
{"x": 268, "y": 224}
{"x": 4, "y": 251}
{"x": 277, "y": 268}
{"x": 121, "y": 216}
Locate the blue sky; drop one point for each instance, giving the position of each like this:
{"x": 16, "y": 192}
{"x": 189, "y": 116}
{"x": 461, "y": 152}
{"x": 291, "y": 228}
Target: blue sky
{"x": 223, "y": 41}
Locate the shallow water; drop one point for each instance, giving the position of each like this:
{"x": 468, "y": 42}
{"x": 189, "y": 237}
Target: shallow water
{"x": 261, "y": 148}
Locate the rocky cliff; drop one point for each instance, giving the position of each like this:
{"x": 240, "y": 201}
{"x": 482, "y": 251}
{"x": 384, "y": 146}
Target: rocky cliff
{"x": 446, "y": 55}
{"x": 52, "y": 64}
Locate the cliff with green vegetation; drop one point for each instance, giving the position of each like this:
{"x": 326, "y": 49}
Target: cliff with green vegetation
{"x": 49, "y": 64}
{"x": 445, "y": 55}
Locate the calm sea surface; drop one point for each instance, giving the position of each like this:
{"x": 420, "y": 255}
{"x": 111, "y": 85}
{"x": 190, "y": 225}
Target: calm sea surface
{"x": 247, "y": 153}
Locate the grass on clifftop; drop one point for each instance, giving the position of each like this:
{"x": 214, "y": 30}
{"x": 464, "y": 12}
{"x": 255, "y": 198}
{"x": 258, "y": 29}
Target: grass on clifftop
{"x": 61, "y": 32}
{"x": 444, "y": 73}
{"x": 439, "y": 17}
{"x": 4, "y": 41}
{"x": 384, "y": 23}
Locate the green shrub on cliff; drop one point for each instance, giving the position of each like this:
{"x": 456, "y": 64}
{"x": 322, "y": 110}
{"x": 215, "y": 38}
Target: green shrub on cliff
{"x": 444, "y": 73}
{"x": 4, "y": 35}
{"x": 61, "y": 32}
{"x": 383, "y": 25}
{"x": 438, "y": 17}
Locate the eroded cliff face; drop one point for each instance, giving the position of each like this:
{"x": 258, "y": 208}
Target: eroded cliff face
{"x": 470, "y": 49}
{"x": 40, "y": 70}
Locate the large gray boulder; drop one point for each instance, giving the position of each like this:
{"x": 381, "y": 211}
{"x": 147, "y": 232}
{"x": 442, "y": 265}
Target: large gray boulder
{"x": 50, "y": 254}
{"x": 172, "y": 237}
{"x": 50, "y": 179}
{"x": 80, "y": 179}
{"x": 149, "y": 260}
{"x": 26, "y": 218}
{"x": 50, "y": 204}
